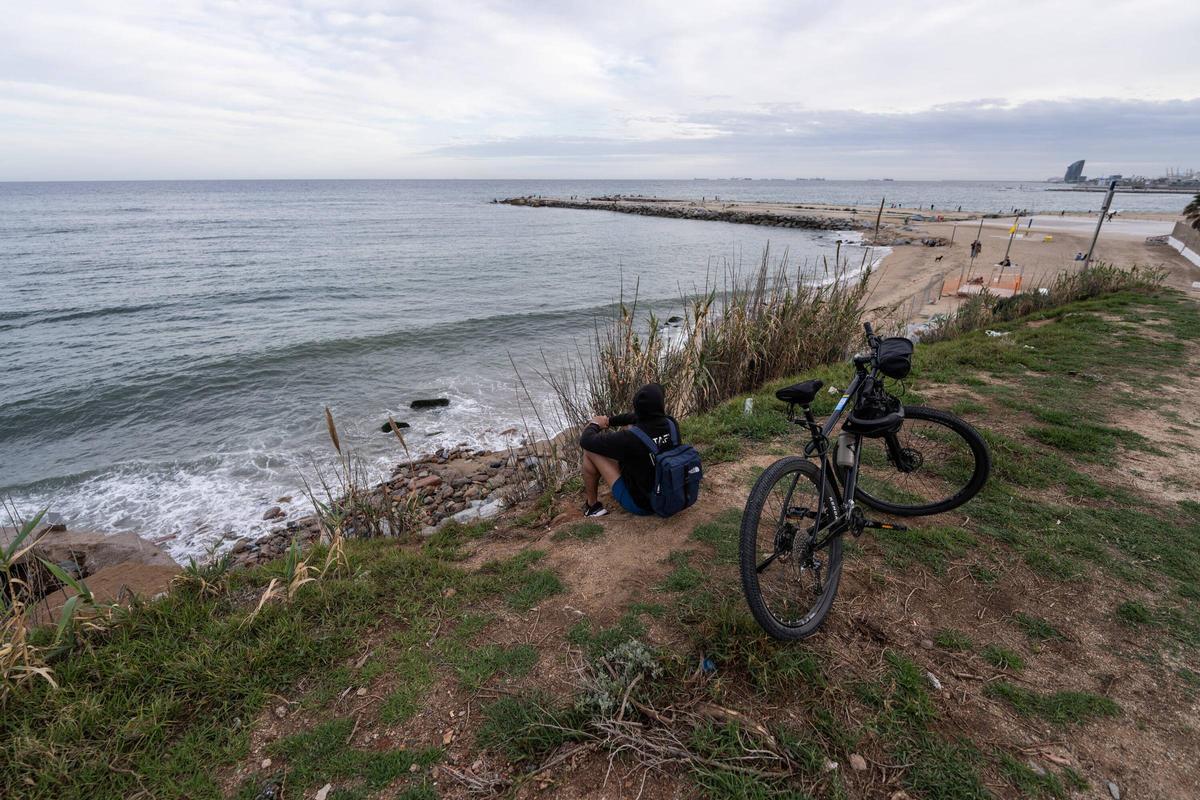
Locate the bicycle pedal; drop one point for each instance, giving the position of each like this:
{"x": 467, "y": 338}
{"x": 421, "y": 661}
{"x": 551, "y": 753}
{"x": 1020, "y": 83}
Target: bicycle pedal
{"x": 887, "y": 526}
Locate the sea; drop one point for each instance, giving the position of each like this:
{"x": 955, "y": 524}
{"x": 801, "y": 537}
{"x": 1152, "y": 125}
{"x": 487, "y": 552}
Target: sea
{"x": 167, "y": 349}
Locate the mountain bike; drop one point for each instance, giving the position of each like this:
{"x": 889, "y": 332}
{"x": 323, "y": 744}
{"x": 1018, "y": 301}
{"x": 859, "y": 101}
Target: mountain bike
{"x": 906, "y": 461}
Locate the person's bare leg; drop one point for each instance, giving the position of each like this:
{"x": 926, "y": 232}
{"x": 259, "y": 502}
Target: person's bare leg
{"x": 591, "y": 480}
{"x": 596, "y": 467}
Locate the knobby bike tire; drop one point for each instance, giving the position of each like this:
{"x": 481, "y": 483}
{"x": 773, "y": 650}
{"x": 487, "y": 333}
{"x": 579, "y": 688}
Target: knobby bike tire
{"x": 792, "y": 467}
{"x": 982, "y": 467}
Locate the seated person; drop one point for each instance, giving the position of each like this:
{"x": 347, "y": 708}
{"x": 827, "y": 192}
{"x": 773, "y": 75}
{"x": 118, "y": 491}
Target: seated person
{"x": 621, "y": 458}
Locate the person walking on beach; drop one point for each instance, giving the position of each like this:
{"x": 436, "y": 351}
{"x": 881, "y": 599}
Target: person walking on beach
{"x": 621, "y": 457}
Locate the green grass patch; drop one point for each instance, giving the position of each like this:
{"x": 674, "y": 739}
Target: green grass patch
{"x": 684, "y": 577}
{"x": 523, "y": 586}
{"x": 1002, "y": 658}
{"x": 450, "y": 540}
{"x": 527, "y": 726}
{"x": 723, "y": 533}
{"x": 951, "y": 639}
{"x": 1029, "y": 782}
{"x": 322, "y": 755}
{"x": 1060, "y": 708}
{"x": 165, "y": 696}
{"x": 932, "y": 547}
{"x": 1134, "y": 614}
{"x": 580, "y": 531}
{"x": 1036, "y": 628}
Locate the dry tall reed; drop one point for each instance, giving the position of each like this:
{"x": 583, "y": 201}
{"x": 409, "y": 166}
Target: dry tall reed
{"x": 772, "y": 321}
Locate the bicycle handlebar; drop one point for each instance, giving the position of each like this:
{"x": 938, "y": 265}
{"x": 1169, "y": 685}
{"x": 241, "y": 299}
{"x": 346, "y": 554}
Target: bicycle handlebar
{"x": 872, "y": 339}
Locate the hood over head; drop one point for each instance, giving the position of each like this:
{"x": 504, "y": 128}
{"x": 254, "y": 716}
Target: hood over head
{"x": 649, "y": 402}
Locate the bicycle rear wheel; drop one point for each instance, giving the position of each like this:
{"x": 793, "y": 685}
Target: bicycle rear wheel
{"x": 789, "y": 585}
{"x": 934, "y": 463}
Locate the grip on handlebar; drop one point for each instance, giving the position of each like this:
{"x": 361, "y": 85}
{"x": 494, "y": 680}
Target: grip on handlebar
{"x": 867, "y": 327}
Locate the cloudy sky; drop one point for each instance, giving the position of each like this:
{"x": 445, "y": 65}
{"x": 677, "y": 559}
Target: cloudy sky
{"x": 966, "y": 89}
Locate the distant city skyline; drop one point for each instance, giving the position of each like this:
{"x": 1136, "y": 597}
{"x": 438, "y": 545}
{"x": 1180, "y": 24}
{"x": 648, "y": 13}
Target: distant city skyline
{"x": 323, "y": 89}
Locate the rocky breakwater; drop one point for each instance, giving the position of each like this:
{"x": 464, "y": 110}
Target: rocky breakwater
{"x": 462, "y": 484}
{"x": 782, "y": 216}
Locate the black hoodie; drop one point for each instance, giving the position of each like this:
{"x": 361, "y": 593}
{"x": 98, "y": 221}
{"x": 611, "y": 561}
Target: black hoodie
{"x": 649, "y": 414}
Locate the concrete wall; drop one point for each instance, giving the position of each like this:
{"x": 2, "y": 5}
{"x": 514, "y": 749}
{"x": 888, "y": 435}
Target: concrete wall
{"x": 1186, "y": 240}
{"x": 1188, "y": 235}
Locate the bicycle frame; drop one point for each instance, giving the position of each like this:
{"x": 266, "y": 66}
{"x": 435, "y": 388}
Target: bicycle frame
{"x": 842, "y": 487}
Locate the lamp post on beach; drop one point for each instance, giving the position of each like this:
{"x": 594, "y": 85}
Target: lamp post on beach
{"x": 1112, "y": 188}
{"x": 1012, "y": 232}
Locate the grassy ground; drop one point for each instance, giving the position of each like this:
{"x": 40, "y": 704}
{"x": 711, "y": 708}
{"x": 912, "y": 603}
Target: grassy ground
{"x": 1037, "y": 643}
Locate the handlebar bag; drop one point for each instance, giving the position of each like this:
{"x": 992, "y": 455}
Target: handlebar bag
{"x": 894, "y": 357}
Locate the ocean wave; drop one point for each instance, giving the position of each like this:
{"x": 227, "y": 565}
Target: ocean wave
{"x": 205, "y": 505}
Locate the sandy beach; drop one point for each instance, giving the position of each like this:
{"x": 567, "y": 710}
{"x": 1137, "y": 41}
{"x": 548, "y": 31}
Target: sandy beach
{"x": 908, "y": 283}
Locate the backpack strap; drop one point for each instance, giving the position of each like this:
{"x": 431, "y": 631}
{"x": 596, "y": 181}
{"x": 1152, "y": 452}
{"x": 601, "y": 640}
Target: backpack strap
{"x": 646, "y": 440}
{"x": 674, "y": 432}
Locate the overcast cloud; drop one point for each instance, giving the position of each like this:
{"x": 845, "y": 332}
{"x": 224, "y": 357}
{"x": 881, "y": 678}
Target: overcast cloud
{"x": 98, "y": 90}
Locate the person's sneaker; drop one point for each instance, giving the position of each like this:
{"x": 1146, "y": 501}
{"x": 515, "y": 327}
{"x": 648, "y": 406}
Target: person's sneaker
{"x": 596, "y": 509}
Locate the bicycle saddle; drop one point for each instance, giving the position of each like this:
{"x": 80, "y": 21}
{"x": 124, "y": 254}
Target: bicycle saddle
{"x": 801, "y": 393}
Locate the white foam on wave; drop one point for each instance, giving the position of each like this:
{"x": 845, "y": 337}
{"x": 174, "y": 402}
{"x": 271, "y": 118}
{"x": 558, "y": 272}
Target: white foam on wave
{"x": 193, "y": 509}
{"x": 189, "y": 509}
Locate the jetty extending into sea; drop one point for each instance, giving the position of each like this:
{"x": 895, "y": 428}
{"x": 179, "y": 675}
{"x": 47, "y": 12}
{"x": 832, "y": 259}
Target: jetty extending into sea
{"x": 778, "y": 215}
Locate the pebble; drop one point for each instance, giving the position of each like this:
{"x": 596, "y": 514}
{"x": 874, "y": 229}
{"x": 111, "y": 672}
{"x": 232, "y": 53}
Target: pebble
{"x": 1114, "y": 790}
{"x": 1037, "y": 768}
{"x": 266, "y": 763}
{"x": 933, "y": 681}
{"x": 857, "y": 763}
{"x": 829, "y": 766}
{"x": 281, "y": 711}
{"x": 927, "y": 644}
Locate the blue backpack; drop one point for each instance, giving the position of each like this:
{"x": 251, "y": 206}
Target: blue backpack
{"x": 677, "y": 473}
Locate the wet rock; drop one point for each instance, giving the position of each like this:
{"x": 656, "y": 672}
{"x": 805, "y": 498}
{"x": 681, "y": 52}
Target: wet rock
{"x": 53, "y": 523}
{"x": 240, "y": 546}
{"x": 432, "y": 402}
{"x": 387, "y": 428}
{"x": 287, "y": 498}
{"x": 274, "y": 512}
{"x": 427, "y": 482}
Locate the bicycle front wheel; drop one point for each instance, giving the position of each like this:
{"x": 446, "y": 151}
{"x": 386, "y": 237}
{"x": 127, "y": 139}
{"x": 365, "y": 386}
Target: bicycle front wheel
{"x": 934, "y": 463}
{"x": 789, "y": 575}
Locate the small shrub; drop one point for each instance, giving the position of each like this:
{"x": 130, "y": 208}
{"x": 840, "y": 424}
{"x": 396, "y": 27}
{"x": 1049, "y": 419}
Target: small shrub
{"x": 1002, "y": 658}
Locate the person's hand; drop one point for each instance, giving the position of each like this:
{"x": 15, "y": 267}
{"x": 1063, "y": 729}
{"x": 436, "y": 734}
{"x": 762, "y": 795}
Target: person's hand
{"x": 602, "y": 421}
